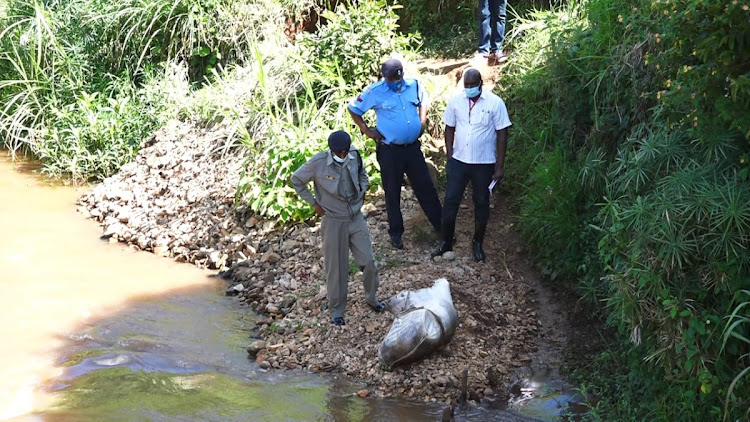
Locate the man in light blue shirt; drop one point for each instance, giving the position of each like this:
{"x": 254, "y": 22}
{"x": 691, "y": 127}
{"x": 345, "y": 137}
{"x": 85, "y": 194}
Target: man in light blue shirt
{"x": 400, "y": 107}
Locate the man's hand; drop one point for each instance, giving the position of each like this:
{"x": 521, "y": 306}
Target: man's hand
{"x": 499, "y": 173}
{"x": 373, "y": 134}
{"x": 319, "y": 210}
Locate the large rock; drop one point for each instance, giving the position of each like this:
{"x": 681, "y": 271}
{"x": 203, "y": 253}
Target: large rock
{"x": 256, "y": 347}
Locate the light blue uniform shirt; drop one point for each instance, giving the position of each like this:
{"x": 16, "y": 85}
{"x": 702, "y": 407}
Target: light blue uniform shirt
{"x": 397, "y": 112}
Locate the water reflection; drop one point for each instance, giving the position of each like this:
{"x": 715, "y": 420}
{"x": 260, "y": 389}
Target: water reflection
{"x": 56, "y": 273}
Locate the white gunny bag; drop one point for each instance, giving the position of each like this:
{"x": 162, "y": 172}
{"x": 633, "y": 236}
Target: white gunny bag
{"x": 425, "y": 320}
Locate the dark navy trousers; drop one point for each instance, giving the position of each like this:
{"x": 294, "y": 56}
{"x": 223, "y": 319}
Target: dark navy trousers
{"x": 459, "y": 174}
{"x": 395, "y": 161}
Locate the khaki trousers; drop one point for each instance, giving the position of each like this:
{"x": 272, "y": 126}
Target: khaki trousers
{"x": 339, "y": 236}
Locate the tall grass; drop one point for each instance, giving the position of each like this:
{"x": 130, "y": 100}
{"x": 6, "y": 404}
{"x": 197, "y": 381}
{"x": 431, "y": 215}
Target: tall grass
{"x": 36, "y": 70}
{"x": 204, "y": 34}
{"x": 76, "y": 77}
{"x": 738, "y": 327}
{"x": 632, "y": 159}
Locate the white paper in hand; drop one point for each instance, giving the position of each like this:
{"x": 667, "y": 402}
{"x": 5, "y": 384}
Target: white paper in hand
{"x": 492, "y": 185}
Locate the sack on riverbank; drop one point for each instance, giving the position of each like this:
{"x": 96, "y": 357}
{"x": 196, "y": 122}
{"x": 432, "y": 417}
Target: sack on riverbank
{"x": 425, "y": 320}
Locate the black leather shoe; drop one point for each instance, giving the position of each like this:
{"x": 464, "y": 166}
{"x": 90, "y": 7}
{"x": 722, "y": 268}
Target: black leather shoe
{"x": 478, "y": 251}
{"x": 397, "y": 242}
{"x": 339, "y": 321}
{"x": 442, "y": 248}
{"x": 448, "y": 230}
{"x": 380, "y": 307}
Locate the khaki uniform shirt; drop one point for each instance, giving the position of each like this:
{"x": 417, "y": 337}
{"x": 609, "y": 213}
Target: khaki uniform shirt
{"x": 339, "y": 200}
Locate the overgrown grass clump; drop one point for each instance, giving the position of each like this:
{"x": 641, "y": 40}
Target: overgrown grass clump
{"x": 632, "y": 145}
{"x": 81, "y": 82}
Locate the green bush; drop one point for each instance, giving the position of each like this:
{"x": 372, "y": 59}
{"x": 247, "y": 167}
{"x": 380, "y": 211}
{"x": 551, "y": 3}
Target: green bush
{"x": 346, "y": 52}
{"x": 96, "y": 135}
{"x": 203, "y": 33}
{"x": 290, "y": 131}
{"x": 642, "y": 108}
{"x": 59, "y": 58}
{"x": 37, "y": 72}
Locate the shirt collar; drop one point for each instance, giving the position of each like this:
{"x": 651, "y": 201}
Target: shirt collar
{"x": 481, "y": 96}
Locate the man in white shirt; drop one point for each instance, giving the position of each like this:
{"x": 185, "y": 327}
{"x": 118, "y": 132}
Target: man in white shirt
{"x": 476, "y": 133}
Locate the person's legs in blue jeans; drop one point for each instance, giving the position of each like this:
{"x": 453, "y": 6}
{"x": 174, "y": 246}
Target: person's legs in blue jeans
{"x": 483, "y": 20}
{"x": 496, "y": 11}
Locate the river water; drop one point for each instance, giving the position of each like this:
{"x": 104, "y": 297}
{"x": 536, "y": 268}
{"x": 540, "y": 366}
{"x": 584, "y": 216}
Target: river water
{"x": 93, "y": 331}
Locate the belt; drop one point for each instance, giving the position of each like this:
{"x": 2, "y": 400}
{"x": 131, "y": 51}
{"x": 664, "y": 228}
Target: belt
{"x": 400, "y": 145}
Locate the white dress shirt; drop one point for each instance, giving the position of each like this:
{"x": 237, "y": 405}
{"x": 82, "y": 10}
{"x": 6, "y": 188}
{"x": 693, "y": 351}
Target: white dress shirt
{"x": 476, "y": 124}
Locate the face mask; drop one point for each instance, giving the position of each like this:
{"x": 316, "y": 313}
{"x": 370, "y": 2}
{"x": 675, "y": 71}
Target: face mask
{"x": 394, "y": 86}
{"x": 473, "y": 92}
{"x": 338, "y": 159}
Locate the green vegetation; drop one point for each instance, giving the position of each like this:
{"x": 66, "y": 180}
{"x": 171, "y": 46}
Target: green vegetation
{"x": 82, "y": 82}
{"x": 630, "y": 151}
{"x": 323, "y": 72}
{"x": 631, "y": 144}
{"x": 123, "y": 394}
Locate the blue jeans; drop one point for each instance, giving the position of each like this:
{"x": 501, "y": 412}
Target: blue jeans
{"x": 459, "y": 175}
{"x": 491, "y": 17}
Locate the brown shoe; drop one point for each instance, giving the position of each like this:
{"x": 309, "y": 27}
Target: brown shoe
{"x": 497, "y": 57}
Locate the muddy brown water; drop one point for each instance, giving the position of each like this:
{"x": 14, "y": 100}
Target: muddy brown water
{"x": 97, "y": 331}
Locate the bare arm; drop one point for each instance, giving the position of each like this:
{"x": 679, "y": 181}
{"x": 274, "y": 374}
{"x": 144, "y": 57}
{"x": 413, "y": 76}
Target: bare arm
{"x": 502, "y": 144}
{"x": 450, "y": 135}
{"x": 371, "y": 133}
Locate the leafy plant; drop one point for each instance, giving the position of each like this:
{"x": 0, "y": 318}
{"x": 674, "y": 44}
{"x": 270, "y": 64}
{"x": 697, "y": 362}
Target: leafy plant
{"x": 203, "y": 33}
{"x": 296, "y": 130}
{"x": 96, "y": 135}
{"x": 346, "y": 52}
{"x": 36, "y": 72}
{"x": 628, "y": 103}
{"x": 737, "y": 333}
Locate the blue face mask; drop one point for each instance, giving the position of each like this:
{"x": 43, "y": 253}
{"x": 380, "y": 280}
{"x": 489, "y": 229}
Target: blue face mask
{"x": 473, "y": 92}
{"x": 394, "y": 86}
{"x": 338, "y": 159}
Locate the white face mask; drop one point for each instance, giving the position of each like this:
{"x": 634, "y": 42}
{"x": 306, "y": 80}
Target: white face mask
{"x": 337, "y": 159}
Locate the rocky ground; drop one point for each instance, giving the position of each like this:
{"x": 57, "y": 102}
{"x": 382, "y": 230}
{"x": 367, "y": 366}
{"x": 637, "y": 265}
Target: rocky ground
{"x": 175, "y": 199}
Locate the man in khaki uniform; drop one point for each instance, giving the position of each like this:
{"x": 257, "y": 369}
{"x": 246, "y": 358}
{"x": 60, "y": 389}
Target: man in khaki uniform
{"x": 340, "y": 183}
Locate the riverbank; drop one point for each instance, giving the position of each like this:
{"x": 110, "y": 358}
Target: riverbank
{"x": 175, "y": 200}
